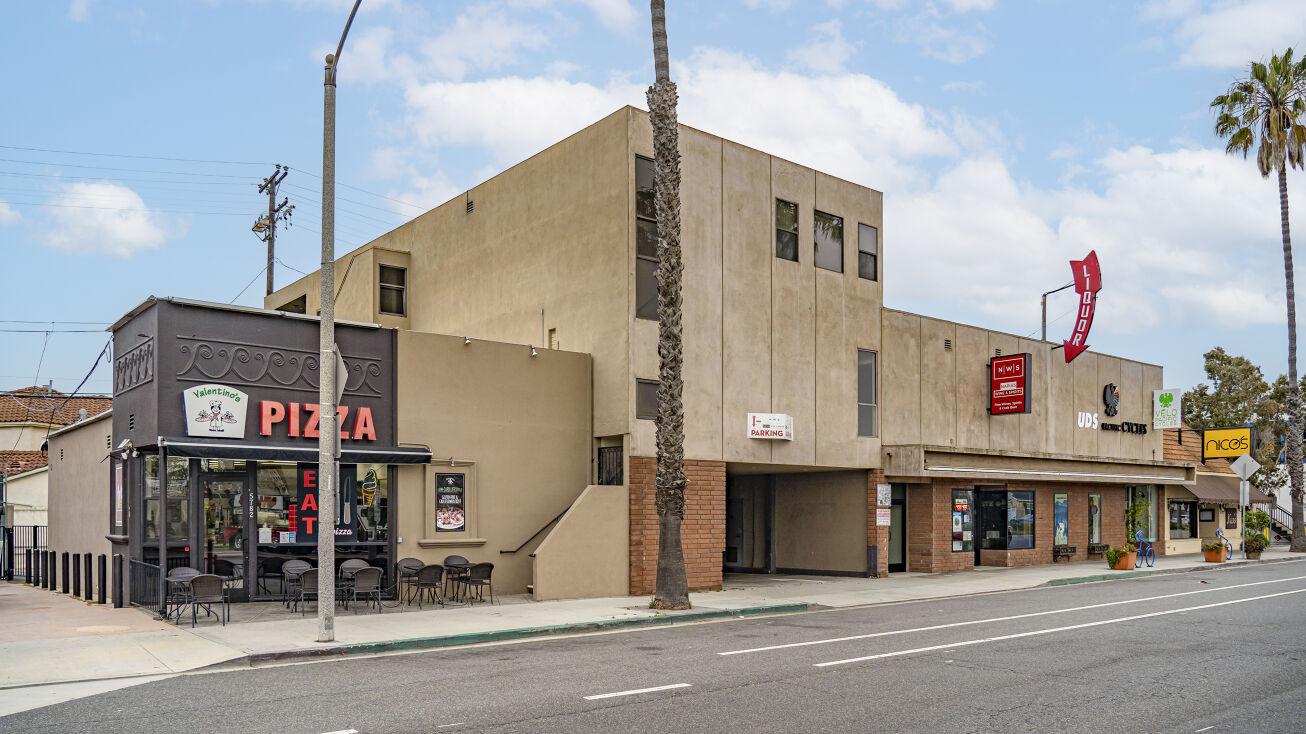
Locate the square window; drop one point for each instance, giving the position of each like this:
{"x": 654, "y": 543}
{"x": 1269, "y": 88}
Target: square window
{"x": 868, "y": 252}
{"x": 829, "y": 241}
{"x": 646, "y": 399}
{"x": 393, "y": 287}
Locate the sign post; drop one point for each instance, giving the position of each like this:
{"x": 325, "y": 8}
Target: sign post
{"x": 1244, "y": 466}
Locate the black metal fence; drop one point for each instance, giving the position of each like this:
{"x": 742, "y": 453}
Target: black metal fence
{"x": 17, "y": 541}
{"x": 610, "y": 465}
{"x": 143, "y": 580}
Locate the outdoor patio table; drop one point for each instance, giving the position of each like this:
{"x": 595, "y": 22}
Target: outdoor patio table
{"x": 178, "y": 589}
{"x": 456, "y": 573}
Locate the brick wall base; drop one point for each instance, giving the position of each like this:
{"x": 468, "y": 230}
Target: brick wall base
{"x": 702, "y": 535}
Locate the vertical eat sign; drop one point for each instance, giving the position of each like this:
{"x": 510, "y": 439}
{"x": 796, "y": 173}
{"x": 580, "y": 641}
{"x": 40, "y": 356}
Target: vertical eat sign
{"x": 1008, "y": 384}
{"x": 1088, "y": 281}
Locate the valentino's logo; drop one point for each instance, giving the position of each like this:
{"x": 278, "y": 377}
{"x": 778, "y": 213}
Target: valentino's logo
{"x": 1111, "y": 399}
{"x": 215, "y": 411}
{"x": 215, "y": 416}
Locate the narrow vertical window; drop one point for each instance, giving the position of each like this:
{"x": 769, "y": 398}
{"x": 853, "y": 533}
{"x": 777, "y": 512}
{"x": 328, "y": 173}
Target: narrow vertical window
{"x": 646, "y": 399}
{"x": 866, "y": 399}
{"x": 394, "y": 291}
{"x": 646, "y": 242}
{"x": 786, "y": 230}
{"x": 1094, "y": 518}
{"x": 829, "y": 241}
{"x": 868, "y": 252}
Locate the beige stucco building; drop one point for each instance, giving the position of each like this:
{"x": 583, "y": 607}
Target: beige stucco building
{"x": 891, "y": 441}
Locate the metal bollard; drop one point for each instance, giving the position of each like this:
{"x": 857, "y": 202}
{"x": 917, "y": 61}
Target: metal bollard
{"x": 117, "y": 581}
{"x": 86, "y": 574}
{"x": 103, "y": 576}
{"x": 49, "y": 569}
{"x": 27, "y": 578}
{"x": 77, "y": 574}
{"x": 64, "y": 571}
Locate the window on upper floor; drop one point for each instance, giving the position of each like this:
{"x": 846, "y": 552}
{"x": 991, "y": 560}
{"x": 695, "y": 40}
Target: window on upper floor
{"x": 786, "y": 230}
{"x": 646, "y": 399}
{"x": 299, "y": 305}
{"x": 867, "y": 402}
{"x": 394, "y": 288}
{"x": 646, "y": 242}
{"x": 868, "y": 252}
{"x": 828, "y": 241}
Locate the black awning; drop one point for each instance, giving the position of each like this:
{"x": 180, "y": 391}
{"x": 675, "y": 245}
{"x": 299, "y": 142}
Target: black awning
{"x": 300, "y": 453}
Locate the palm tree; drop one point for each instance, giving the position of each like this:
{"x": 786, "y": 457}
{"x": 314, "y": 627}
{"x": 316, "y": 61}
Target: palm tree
{"x": 1266, "y": 110}
{"x": 671, "y": 590}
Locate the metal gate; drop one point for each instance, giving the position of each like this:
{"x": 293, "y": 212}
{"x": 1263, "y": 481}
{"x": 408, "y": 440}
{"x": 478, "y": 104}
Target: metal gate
{"x": 17, "y": 541}
{"x": 610, "y": 469}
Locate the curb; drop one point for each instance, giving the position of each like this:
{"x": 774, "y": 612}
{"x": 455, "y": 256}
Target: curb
{"x": 473, "y": 638}
{"x": 1164, "y": 571}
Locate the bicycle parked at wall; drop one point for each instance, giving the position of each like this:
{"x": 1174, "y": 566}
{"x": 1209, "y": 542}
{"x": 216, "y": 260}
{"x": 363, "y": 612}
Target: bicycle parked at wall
{"x": 1145, "y": 551}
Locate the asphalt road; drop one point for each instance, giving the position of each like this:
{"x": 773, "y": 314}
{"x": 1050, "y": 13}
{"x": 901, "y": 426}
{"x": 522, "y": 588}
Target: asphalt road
{"x": 1161, "y": 654}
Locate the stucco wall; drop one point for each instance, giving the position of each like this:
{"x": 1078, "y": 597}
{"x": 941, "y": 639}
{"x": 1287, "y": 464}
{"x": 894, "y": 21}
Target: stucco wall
{"x": 79, "y": 488}
{"x": 23, "y": 436}
{"x": 820, "y": 521}
{"x": 938, "y": 396}
{"x": 517, "y": 424}
{"x": 584, "y": 555}
{"x": 27, "y": 495}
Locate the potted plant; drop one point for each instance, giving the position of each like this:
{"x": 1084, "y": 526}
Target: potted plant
{"x": 1214, "y": 551}
{"x": 1254, "y": 541}
{"x": 1121, "y": 557}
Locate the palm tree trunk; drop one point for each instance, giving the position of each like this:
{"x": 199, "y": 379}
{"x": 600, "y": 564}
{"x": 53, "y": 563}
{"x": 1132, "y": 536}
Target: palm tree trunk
{"x": 671, "y": 590}
{"x": 1294, "y": 438}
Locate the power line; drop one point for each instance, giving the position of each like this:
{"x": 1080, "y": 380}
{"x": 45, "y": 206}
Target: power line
{"x": 247, "y": 285}
{"x": 52, "y": 331}
{"x": 143, "y": 210}
{"x": 128, "y": 155}
{"x": 365, "y": 191}
{"x": 17, "y": 321}
{"x": 123, "y": 178}
{"x": 111, "y": 168}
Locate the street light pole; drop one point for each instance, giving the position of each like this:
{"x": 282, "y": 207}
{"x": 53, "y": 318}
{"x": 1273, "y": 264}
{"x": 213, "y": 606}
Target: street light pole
{"x": 1045, "y": 307}
{"x": 328, "y": 439}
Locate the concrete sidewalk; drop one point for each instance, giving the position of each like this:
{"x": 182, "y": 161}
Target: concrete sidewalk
{"x": 125, "y": 643}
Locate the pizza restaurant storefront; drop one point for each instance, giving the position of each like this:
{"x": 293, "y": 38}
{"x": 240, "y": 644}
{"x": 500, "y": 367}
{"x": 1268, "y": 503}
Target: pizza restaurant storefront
{"x": 215, "y": 458}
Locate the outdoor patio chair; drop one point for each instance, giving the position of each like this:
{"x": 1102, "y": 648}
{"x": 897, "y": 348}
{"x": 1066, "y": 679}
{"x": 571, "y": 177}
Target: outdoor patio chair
{"x": 406, "y": 574}
{"x": 478, "y": 578}
{"x": 455, "y": 570}
{"x": 208, "y": 589}
{"x": 290, "y": 575}
{"x": 307, "y": 588}
{"x": 179, "y": 590}
{"x": 351, "y": 566}
{"x": 270, "y": 568}
{"x": 367, "y": 584}
{"x": 428, "y": 580}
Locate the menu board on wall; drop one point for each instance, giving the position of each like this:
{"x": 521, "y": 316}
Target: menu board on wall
{"x": 450, "y": 503}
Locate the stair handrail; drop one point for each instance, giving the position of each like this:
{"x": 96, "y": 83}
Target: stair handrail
{"x": 537, "y": 532}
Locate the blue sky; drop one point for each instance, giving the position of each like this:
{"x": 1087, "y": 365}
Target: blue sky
{"x": 1008, "y": 137}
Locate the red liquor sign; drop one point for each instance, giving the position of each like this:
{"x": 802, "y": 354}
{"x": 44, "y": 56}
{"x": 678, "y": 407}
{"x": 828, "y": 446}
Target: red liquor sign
{"x": 1088, "y": 281}
{"x": 1008, "y": 381}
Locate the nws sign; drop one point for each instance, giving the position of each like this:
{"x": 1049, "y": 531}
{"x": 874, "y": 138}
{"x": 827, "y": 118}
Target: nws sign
{"x": 1008, "y": 384}
{"x": 771, "y": 425}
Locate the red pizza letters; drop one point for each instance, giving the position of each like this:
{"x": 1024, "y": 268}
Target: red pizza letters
{"x": 271, "y": 413}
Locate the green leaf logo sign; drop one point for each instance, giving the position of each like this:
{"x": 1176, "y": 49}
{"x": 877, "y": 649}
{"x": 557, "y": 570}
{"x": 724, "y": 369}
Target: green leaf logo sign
{"x": 1165, "y": 399}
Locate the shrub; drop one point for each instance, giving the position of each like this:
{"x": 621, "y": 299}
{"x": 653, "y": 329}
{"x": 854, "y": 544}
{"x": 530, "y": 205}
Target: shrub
{"x": 1214, "y": 545}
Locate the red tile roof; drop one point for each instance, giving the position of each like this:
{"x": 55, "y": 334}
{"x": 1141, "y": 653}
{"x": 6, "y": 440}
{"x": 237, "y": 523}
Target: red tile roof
{"x": 1191, "y": 450}
{"x": 18, "y": 462}
{"x": 38, "y": 405}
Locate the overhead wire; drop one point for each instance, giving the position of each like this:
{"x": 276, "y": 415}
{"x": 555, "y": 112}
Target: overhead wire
{"x": 35, "y": 381}
{"x": 129, "y": 155}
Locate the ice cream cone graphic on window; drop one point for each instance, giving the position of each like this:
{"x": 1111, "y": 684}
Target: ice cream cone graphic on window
{"x": 369, "y": 485}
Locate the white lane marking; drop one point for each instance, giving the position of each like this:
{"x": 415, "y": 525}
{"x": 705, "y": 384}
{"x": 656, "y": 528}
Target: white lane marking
{"x": 1000, "y": 619}
{"x": 1067, "y": 628}
{"x": 446, "y": 726}
{"x": 1199, "y": 731}
{"x": 637, "y": 690}
{"x": 343, "y": 731}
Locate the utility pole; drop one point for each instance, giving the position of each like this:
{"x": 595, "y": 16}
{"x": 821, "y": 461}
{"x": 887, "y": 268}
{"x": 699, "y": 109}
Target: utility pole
{"x": 266, "y": 225}
{"x": 328, "y": 441}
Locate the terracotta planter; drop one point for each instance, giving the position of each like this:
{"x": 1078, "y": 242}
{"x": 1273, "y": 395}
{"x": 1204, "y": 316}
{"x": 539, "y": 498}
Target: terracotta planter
{"x": 1126, "y": 562}
{"x": 1215, "y": 556}
{"x": 1254, "y": 555}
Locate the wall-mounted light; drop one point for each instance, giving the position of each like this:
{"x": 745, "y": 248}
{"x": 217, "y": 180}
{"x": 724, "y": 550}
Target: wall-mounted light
{"x": 467, "y": 340}
{"x": 451, "y": 461}
{"x": 533, "y": 352}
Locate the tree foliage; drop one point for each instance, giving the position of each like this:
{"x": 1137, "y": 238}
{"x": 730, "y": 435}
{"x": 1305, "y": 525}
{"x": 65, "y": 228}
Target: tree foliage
{"x": 1235, "y": 394}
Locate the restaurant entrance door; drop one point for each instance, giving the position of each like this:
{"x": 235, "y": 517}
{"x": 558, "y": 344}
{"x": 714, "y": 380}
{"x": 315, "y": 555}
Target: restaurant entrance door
{"x": 228, "y": 525}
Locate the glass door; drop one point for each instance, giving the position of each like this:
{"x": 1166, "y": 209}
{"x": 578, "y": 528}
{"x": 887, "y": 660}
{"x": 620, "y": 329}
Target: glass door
{"x": 226, "y": 539}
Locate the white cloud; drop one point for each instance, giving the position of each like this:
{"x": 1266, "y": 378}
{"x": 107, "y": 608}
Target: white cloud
{"x": 945, "y": 43}
{"x": 774, "y": 6}
{"x": 481, "y": 38}
{"x": 963, "y": 86}
{"x": 102, "y": 218}
{"x": 8, "y": 215}
{"x": 79, "y": 11}
{"x": 1231, "y": 33}
{"x": 827, "y": 52}
{"x": 965, "y": 6}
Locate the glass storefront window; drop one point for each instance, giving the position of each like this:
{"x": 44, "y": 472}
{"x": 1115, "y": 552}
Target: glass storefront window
{"x": 962, "y": 523}
{"x": 1020, "y": 520}
{"x": 1141, "y": 501}
{"x": 277, "y": 492}
{"x": 1095, "y": 518}
{"x": 372, "y": 502}
{"x": 1183, "y": 520}
{"x": 178, "y": 521}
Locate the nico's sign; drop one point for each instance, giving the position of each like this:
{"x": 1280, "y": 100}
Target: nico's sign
{"x": 1226, "y": 443}
{"x": 771, "y": 425}
{"x": 1009, "y": 384}
{"x": 1088, "y": 281}
{"x": 216, "y": 411}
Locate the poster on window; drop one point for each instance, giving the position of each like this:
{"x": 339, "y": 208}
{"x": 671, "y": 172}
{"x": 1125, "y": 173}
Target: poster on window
{"x": 450, "y": 503}
{"x": 1060, "y": 519}
{"x": 303, "y": 516}
{"x": 961, "y": 521}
